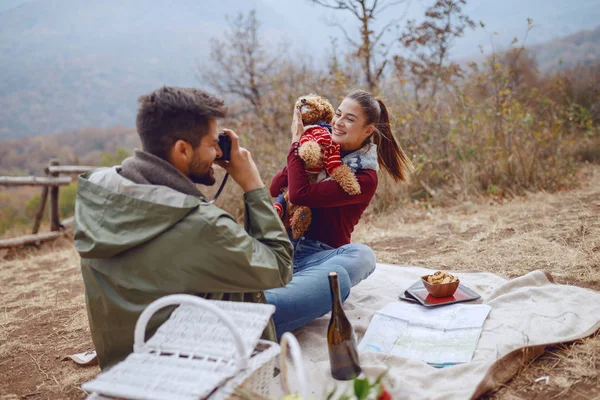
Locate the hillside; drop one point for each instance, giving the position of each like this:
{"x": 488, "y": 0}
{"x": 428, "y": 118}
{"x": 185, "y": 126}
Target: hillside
{"x": 63, "y": 67}
{"x": 69, "y": 64}
{"x": 29, "y": 156}
{"x": 44, "y": 316}
{"x": 508, "y": 19}
{"x": 581, "y": 48}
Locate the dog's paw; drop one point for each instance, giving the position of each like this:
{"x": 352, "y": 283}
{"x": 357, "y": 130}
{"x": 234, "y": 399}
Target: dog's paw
{"x": 311, "y": 154}
{"x": 300, "y": 221}
{"x": 344, "y": 176}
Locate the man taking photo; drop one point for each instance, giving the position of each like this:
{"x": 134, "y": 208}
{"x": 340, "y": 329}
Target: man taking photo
{"x": 144, "y": 230}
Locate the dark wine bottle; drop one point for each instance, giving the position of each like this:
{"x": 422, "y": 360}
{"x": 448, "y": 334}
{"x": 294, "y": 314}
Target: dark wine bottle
{"x": 341, "y": 340}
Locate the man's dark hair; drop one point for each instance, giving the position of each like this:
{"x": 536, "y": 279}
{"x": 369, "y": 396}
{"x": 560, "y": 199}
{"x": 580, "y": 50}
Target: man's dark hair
{"x": 170, "y": 114}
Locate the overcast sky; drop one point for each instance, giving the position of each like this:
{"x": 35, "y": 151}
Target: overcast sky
{"x": 305, "y": 24}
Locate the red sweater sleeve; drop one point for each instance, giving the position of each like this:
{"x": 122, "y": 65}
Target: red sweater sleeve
{"x": 323, "y": 194}
{"x": 280, "y": 180}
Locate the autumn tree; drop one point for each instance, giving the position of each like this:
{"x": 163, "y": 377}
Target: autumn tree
{"x": 239, "y": 64}
{"x": 522, "y": 67}
{"x": 109, "y": 159}
{"x": 429, "y": 44}
{"x": 502, "y": 74}
{"x": 372, "y": 50}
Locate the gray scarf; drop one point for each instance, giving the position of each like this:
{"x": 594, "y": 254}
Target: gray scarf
{"x": 363, "y": 158}
{"x": 147, "y": 169}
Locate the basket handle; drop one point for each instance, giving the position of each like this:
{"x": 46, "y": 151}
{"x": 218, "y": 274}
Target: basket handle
{"x": 289, "y": 341}
{"x": 178, "y": 299}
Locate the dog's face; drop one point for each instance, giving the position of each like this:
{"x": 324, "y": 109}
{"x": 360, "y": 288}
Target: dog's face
{"x": 314, "y": 109}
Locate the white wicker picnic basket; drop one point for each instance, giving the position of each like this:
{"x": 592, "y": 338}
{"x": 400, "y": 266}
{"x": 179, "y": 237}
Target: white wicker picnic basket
{"x": 198, "y": 353}
{"x": 290, "y": 345}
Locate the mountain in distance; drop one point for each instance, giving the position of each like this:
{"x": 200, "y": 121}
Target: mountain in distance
{"x": 86, "y": 146}
{"x": 30, "y": 155}
{"x": 68, "y": 64}
{"x": 71, "y": 64}
{"x": 581, "y": 48}
{"x": 508, "y": 19}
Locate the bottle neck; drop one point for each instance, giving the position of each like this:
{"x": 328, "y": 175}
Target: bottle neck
{"x": 336, "y": 299}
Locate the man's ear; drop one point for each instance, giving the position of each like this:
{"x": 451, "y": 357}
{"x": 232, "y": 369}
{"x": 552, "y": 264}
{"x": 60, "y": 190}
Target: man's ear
{"x": 180, "y": 156}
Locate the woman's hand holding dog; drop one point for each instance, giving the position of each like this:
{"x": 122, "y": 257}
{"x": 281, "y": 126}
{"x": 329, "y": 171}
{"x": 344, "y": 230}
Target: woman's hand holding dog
{"x": 297, "y": 127}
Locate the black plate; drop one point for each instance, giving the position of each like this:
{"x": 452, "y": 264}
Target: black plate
{"x": 417, "y": 293}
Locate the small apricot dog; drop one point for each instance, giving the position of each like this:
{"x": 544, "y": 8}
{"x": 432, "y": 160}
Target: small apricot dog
{"x": 319, "y": 153}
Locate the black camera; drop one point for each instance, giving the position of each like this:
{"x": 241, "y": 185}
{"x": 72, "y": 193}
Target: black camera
{"x": 225, "y": 145}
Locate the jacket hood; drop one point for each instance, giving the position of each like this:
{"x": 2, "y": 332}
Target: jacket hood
{"x": 114, "y": 214}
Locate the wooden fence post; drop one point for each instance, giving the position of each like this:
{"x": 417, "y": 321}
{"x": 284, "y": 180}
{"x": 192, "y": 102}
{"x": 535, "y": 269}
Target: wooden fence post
{"x": 54, "y": 217}
{"x": 40, "y": 212}
{"x": 50, "y": 183}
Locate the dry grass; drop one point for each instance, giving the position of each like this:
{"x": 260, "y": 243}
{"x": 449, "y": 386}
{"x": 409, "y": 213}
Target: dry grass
{"x": 559, "y": 233}
{"x": 43, "y": 318}
{"x": 572, "y": 370}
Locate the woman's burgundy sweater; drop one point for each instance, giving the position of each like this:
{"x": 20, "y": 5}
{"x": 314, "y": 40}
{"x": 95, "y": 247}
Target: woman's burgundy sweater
{"x": 334, "y": 212}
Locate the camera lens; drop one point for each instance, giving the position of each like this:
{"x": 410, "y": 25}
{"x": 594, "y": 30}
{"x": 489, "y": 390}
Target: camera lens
{"x": 225, "y": 145}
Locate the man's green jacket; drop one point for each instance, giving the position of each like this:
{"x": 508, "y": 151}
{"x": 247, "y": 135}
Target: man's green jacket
{"x": 142, "y": 242}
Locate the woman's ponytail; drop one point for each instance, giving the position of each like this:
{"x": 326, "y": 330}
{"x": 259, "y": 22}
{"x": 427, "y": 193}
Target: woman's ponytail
{"x": 390, "y": 155}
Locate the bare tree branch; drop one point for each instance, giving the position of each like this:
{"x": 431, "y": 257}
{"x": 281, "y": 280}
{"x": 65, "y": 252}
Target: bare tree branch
{"x": 391, "y": 4}
{"x": 346, "y": 35}
{"x": 240, "y": 64}
{"x": 371, "y": 51}
{"x": 384, "y": 30}
{"x": 430, "y": 43}
{"x": 351, "y": 5}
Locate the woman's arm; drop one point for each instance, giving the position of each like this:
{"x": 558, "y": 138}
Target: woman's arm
{"x": 327, "y": 193}
{"x": 280, "y": 181}
{"x": 323, "y": 194}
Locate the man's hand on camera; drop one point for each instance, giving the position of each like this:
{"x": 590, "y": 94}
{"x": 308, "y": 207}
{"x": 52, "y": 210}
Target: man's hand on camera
{"x": 241, "y": 167}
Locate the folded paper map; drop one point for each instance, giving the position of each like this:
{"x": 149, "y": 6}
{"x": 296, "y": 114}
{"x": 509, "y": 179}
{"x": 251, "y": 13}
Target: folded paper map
{"x": 439, "y": 336}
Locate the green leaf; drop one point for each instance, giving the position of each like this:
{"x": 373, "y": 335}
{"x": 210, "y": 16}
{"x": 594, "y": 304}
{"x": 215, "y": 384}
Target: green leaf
{"x": 362, "y": 387}
{"x": 380, "y": 377}
{"x": 331, "y": 394}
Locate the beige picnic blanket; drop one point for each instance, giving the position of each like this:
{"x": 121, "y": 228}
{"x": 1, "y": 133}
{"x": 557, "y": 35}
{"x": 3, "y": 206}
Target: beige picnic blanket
{"x": 528, "y": 313}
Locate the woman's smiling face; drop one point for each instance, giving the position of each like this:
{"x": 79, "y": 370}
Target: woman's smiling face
{"x": 350, "y": 128}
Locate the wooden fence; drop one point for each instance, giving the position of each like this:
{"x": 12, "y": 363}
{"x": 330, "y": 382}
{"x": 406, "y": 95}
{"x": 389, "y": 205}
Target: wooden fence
{"x": 50, "y": 186}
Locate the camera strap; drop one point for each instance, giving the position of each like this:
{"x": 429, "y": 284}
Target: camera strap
{"x": 220, "y": 189}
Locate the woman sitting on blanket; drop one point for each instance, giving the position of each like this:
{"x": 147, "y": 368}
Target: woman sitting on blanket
{"x": 362, "y": 129}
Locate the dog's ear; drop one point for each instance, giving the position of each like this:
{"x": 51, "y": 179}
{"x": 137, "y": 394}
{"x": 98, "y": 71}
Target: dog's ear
{"x": 325, "y": 110}
{"x": 312, "y": 116}
{"x": 321, "y": 109}
{"x": 328, "y": 113}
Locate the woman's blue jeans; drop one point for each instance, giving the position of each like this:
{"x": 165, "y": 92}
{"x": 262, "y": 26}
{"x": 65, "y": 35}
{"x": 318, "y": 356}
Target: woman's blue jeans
{"x": 307, "y": 296}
